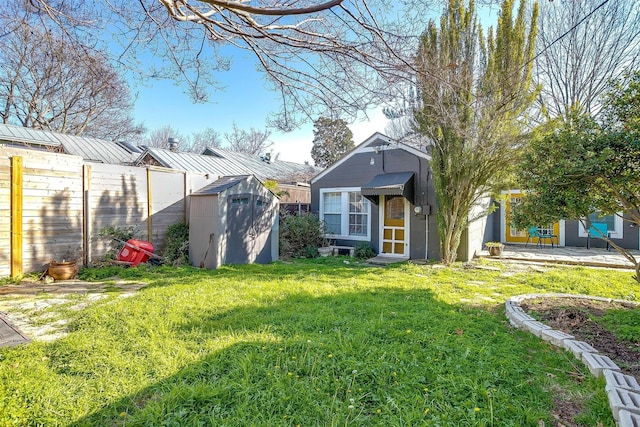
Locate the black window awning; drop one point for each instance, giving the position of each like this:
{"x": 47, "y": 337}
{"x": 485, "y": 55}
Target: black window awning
{"x": 389, "y": 184}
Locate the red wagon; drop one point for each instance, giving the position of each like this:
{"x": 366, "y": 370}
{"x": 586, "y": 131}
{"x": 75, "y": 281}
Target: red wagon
{"x": 135, "y": 251}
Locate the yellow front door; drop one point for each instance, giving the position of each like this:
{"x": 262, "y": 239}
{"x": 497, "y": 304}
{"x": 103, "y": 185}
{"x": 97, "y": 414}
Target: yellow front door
{"x": 513, "y": 235}
{"x": 393, "y": 228}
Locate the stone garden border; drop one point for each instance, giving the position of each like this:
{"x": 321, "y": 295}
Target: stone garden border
{"x": 622, "y": 390}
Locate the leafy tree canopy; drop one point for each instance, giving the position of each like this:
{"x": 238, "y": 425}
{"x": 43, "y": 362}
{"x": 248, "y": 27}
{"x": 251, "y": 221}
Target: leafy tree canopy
{"x": 475, "y": 92}
{"x": 587, "y": 165}
{"x": 332, "y": 139}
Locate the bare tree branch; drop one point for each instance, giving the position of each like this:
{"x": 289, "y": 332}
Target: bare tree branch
{"x": 176, "y": 8}
{"x": 583, "y": 45}
{"x": 322, "y": 57}
{"x": 49, "y": 82}
{"x": 253, "y": 141}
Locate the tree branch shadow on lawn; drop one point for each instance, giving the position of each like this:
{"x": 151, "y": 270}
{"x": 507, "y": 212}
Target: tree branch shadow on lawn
{"x": 167, "y": 275}
{"x": 374, "y": 357}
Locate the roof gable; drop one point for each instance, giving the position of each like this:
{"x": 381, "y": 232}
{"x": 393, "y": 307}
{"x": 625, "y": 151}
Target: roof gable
{"x": 220, "y": 185}
{"x": 194, "y": 162}
{"x": 373, "y": 144}
{"x": 265, "y": 166}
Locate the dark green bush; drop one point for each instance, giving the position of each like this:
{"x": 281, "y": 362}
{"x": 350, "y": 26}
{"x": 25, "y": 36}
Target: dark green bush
{"x": 176, "y": 250}
{"x": 116, "y": 236}
{"x": 363, "y": 250}
{"x": 300, "y": 236}
{"x": 310, "y": 252}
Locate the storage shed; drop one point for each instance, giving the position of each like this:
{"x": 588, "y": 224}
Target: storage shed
{"x": 233, "y": 220}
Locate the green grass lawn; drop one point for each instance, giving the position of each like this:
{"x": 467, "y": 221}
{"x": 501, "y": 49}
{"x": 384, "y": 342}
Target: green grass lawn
{"x": 309, "y": 343}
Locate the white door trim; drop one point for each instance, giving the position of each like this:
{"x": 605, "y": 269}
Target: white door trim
{"x": 407, "y": 234}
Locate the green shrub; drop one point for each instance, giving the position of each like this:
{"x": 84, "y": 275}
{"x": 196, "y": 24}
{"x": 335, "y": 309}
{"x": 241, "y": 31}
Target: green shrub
{"x": 122, "y": 234}
{"x": 363, "y": 250}
{"x": 310, "y": 252}
{"x": 300, "y": 236}
{"x": 176, "y": 250}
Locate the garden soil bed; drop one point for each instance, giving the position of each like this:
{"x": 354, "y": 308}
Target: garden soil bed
{"x": 576, "y": 317}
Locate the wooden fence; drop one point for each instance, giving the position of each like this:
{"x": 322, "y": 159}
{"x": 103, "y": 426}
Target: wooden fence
{"x": 53, "y": 206}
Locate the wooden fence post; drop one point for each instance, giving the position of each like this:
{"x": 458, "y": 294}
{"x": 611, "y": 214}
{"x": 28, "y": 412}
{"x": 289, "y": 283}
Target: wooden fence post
{"x": 185, "y": 192}
{"x": 86, "y": 195}
{"x": 16, "y": 216}
{"x": 149, "y": 206}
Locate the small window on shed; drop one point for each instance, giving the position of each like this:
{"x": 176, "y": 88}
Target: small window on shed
{"x": 243, "y": 200}
{"x": 260, "y": 202}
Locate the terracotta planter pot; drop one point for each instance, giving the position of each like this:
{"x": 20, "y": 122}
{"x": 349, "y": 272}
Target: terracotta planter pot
{"x": 495, "y": 250}
{"x": 63, "y": 270}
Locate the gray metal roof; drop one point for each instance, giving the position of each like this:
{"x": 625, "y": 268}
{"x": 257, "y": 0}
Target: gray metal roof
{"x": 217, "y": 162}
{"x": 222, "y": 163}
{"x": 195, "y": 162}
{"x": 220, "y": 185}
{"x": 11, "y": 133}
{"x": 90, "y": 149}
{"x": 273, "y": 169}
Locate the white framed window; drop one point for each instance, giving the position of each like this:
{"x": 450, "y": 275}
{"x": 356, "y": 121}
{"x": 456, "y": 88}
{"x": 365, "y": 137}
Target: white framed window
{"x": 332, "y": 212}
{"x": 614, "y": 224}
{"x": 345, "y": 213}
{"x": 358, "y": 214}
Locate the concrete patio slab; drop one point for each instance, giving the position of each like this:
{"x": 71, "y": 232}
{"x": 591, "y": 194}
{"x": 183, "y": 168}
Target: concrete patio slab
{"x": 594, "y": 257}
{"x": 10, "y": 335}
{"x": 14, "y": 332}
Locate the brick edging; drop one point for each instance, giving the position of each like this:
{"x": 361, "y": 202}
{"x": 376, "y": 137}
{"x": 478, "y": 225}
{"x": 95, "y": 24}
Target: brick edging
{"x": 622, "y": 390}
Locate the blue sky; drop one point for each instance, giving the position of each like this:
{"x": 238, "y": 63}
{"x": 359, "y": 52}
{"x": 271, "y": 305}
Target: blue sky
{"x": 245, "y": 99}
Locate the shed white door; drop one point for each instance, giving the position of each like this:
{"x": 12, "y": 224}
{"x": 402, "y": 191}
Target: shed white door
{"x": 394, "y": 230}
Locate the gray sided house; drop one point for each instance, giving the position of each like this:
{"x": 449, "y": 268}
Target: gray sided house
{"x": 380, "y": 193}
{"x": 233, "y": 220}
{"x": 567, "y": 232}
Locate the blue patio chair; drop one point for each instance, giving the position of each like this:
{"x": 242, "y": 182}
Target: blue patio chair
{"x": 532, "y": 233}
{"x": 598, "y": 230}
{"x": 535, "y": 233}
{"x": 547, "y": 233}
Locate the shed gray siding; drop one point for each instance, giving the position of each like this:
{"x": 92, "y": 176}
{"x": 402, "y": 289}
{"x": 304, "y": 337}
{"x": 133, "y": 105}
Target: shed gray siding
{"x": 204, "y": 221}
{"x": 356, "y": 171}
{"x": 223, "y": 230}
{"x": 242, "y": 246}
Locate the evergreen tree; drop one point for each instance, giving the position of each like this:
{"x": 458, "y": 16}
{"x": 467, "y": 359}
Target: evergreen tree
{"x": 332, "y": 139}
{"x": 474, "y": 94}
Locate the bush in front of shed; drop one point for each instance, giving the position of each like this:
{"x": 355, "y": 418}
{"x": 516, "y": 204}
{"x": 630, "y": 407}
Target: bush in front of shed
{"x": 300, "y": 236}
{"x": 176, "y": 250}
